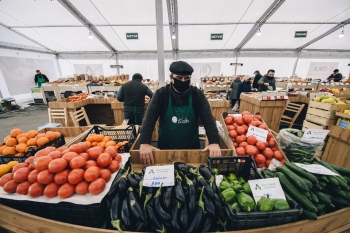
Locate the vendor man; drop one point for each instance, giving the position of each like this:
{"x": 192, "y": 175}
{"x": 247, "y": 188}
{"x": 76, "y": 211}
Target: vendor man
{"x": 267, "y": 82}
{"x": 178, "y": 106}
{"x": 40, "y": 78}
{"x": 336, "y": 76}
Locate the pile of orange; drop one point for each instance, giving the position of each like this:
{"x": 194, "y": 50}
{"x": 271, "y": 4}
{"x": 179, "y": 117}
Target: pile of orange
{"x": 18, "y": 142}
{"x": 103, "y": 141}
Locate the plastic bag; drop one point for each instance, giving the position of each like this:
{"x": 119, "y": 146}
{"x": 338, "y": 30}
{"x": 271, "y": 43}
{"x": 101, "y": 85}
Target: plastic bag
{"x": 294, "y": 149}
{"x": 236, "y": 107}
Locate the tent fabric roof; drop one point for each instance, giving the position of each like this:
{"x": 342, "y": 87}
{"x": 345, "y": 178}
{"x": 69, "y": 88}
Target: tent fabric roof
{"x": 50, "y": 24}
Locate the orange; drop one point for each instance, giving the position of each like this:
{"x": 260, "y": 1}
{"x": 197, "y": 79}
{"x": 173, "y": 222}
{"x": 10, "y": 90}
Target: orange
{"x": 57, "y": 134}
{"x": 9, "y": 151}
{"x": 94, "y": 144}
{"x": 21, "y": 135}
{"x": 2, "y": 149}
{"x": 7, "y": 137}
{"x": 90, "y": 138}
{"x": 32, "y": 133}
{"x": 110, "y": 143}
{"x": 11, "y": 142}
{"x": 107, "y": 139}
{"x": 22, "y": 147}
{"x": 98, "y": 138}
{"x": 42, "y": 141}
{"x": 40, "y": 135}
{"x": 50, "y": 135}
{"x": 88, "y": 143}
{"x": 23, "y": 139}
{"x": 19, "y": 154}
{"x": 15, "y": 132}
{"x": 31, "y": 142}
{"x": 102, "y": 144}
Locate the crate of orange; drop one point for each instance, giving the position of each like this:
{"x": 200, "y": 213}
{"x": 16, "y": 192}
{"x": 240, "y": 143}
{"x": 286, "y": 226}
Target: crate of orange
{"x": 18, "y": 145}
{"x": 121, "y": 138}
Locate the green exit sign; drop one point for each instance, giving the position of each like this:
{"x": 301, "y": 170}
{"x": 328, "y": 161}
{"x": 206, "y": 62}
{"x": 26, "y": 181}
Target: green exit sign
{"x": 219, "y": 36}
{"x": 132, "y": 36}
{"x": 299, "y": 34}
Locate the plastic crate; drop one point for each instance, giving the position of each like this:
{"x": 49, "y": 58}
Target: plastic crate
{"x": 58, "y": 142}
{"x": 117, "y": 135}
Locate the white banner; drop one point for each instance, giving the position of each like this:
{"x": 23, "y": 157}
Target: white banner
{"x": 205, "y": 69}
{"x": 91, "y": 69}
{"x": 321, "y": 70}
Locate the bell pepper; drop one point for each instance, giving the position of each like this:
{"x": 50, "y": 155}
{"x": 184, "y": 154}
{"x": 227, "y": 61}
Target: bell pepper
{"x": 235, "y": 206}
{"x": 241, "y": 180}
{"x": 225, "y": 178}
{"x": 228, "y": 195}
{"x": 246, "y": 188}
{"x": 245, "y": 201}
{"x": 280, "y": 204}
{"x": 224, "y": 185}
{"x": 231, "y": 177}
{"x": 216, "y": 171}
{"x": 264, "y": 204}
{"x": 237, "y": 188}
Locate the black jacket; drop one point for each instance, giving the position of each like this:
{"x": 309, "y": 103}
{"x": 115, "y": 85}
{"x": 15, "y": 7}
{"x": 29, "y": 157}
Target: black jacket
{"x": 256, "y": 80}
{"x": 158, "y": 107}
{"x": 243, "y": 87}
{"x": 234, "y": 88}
{"x": 133, "y": 93}
{"x": 43, "y": 76}
{"x": 337, "y": 78}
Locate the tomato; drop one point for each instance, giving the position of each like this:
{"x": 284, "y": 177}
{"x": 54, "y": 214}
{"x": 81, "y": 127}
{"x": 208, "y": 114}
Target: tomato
{"x": 268, "y": 153}
{"x": 105, "y": 174}
{"x": 258, "y": 117}
{"x": 65, "y": 151}
{"x": 57, "y": 165}
{"x": 239, "y": 121}
{"x": 23, "y": 187}
{"x": 240, "y": 130}
{"x": 278, "y": 155}
{"x": 235, "y": 144}
{"x": 266, "y": 144}
{"x": 240, "y": 151}
{"x": 267, "y": 162}
{"x": 55, "y": 154}
{"x": 76, "y": 176}
{"x": 228, "y": 121}
{"x": 77, "y": 162}
{"x": 97, "y": 186}
{"x": 85, "y": 156}
{"x": 269, "y": 135}
{"x": 51, "y": 190}
{"x": 263, "y": 126}
{"x": 18, "y": 166}
{"x": 11, "y": 186}
{"x": 230, "y": 127}
{"x": 272, "y": 142}
{"x": 251, "y": 150}
{"x": 45, "y": 177}
{"x": 112, "y": 150}
{"x": 36, "y": 189}
{"x": 118, "y": 158}
{"x": 77, "y": 148}
{"x": 243, "y": 144}
{"x": 29, "y": 160}
{"x": 42, "y": 163}
{"x": 62, "y": 148}
{"x": 21, "y": 174}
{"x": 251, "y": 140}
{"x": 246, "y": 112}
{"x": 282, "y": 161}
{"x": 259, "y": 158}
{"x": 82, "y": 188}
{"x": 69, "y": 156}
{"x": 94, "y": 152}
{"x": 232, "y": 133}
{"x": 61, "y": 177}
{"x": 260, "y": 145}
{"x": 6, "y": 178}
{"x": 42, "y": 153}
{"x": 241, "y": 138}
{"x": 104, "y": 160}
{"x": 253, "y": 123}
{"x": 274, "y": 148}
{"x": 245, "y": 128}
{"x": 247, "y": 118}
{"x": 113, "y": 166}
{"x": 91, "y": 174}
{"x": 66, "y": 190}
{"x": 261, "y": 165}
{"x": 90, "y": 163}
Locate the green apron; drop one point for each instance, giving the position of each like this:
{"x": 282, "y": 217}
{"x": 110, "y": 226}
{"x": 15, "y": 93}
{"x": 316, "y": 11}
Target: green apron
{"x": 40, "y": 80}
{"x": 179, "y": 128}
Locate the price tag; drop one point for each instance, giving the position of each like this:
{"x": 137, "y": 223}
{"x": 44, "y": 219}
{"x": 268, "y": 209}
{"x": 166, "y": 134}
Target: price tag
{"x": 260, "y": 134}
{"x": 316, "y": 169}
{"x": 158, "y": 175}
{"x": 270, "y": 188}
{"x": 314, "y": 135}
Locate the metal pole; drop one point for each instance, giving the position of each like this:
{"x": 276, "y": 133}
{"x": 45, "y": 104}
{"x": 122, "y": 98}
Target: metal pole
{"x": 117, "y": 63}
{"x": 58, "y": 65}
{"x": 160, "y": 42}
{"x": 236, "y": 62}
{"x": 296, "y": 63}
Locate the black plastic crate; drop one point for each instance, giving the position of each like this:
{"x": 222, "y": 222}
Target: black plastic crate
{"x": 57, "y": 142}
{"x": 117, "y": 135}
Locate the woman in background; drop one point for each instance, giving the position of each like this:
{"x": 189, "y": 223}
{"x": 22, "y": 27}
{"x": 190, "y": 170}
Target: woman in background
{"x": 234, "y": 88}
{"x": 245, "y": 86}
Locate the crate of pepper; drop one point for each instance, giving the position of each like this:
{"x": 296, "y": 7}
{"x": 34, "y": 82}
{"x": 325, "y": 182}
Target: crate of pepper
{"x": 121, "y": 138}
{"x": 234, "y": 173}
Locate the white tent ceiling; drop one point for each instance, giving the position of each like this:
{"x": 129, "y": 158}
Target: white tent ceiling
{"x": 52, "y": 25}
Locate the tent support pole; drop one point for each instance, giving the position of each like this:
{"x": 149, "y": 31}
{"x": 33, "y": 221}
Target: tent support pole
{"x": 296, "y": 63}
{"x": 117, "y": 63}
{"x": 236, "y": 62}
{"x": 59, "y": 67}
{"x": 160, "y": 42}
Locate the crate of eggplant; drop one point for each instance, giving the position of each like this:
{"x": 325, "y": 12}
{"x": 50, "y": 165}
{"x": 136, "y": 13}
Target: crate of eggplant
{"x": 194, "y": 204}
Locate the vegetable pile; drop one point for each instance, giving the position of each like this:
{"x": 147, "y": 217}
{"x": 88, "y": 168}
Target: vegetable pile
{"x": 78, "y": 97}
{"x": 262, "y": 152}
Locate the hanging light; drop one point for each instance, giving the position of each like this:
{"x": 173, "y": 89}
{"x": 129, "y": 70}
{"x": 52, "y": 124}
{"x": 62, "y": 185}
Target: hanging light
{"x": 90, "y": 36}
{"x": 342, "y": 33}
{"x": 258, "y": 33}
{"x": 173, "y": 36}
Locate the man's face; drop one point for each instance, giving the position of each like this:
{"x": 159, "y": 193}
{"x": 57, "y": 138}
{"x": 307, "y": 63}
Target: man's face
{"x": 38, "y": 72}
{"x": 255, "y": 74}
{"x": 271, "y": 74}
{"x": 335, "y": 72}
{"x": 182, "y": 78}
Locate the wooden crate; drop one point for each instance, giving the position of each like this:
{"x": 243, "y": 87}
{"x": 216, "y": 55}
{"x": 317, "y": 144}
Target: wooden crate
{"x": 219, "y": 107}
{"x": 337, "y": 150}
{"x": 227, "y": 139}
{"x": 65, "y": 104}
{"x": 310, "y": 125}
{"x": 70, "y": 133}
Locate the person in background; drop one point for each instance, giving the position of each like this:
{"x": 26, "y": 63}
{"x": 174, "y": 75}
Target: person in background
{"x": 267, "y": 82}
{"x": 40, "y": 78}
{"x": 256, "y": 80}
{"x": 336, "y": 76}
{"x": 133, "y": 95}
{"x": 234, "y": 88}
{"x": 245, "y": 86}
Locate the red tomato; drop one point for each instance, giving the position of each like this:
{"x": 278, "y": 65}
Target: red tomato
{"x": 253, "y": 123}
{"x": 228, "y": 121}
{"x": 268, "y": 153}
{"x": 251, "y": 150}
{"x": 82, "y": 188}
{"x": 97, "y": 186}
{"x": 105, "y": 174}
{"x": 282, "y": 161}
{"x": 258, "y": 117}
{"x": 235, "y": 144}
{"x": 57, "y": 165}
{"x": 23, "y": 187}
{"x": 274, "y": 148}
{"x": 77, "y": 148}
{"x": 11, "y": 186}
{"x": 240, "y": 151}
{"x": 104, "y": 160}
{"x": 6, "y": 178}
{"x": 66, "y": 190}
{"x": 118, "y": 158}
{"x": 21, "y": 174}
{"x": 36, "y": 189}
{"x": 89, "y": 164}
{"x": 247, "y": 118}
{"x": 239, "y": 121}
{"x": 259, "y": 158}
{"x": 91, "y": 174}
{"x": 278, "y": 155}
{"x": 30, "y": 160}
{"x": 33, "y": 176}
{"x": 112, "y": 150}
{"x": 232, "y": 133}
{"x": 45, "y": 177}
{"x": 55, "y": 154}
{"x": 243, "y": 144}
{"x": 260, "y": 165}
{"x": 230, "y": 127}
{"x": 65, "y": 151}
{"x": 261, "y": 145}
{"x": 18, "y": 166}
{"x": 77, "y": 162}
{"x": 61, "y": 177}
{"x": 240, "y": 130}
{"x": 246, "y": 112}
{"x": 263, "y": 126}
{"x": 272, "y": 142}
{"x": 241, "y": 138}
{"x": 114, "y": 166}
{"x": 76, "y": 176}
{"x": 84, "y": 155}
{"x": 69, "y": 156}
{"x": 267, "y": 162}
{"x": 94, "y": 152}
{"x": 251, "y": 140}
{"x": 51, "y": 190}
{"x": 62, "y": 148}
{"x": 269, "y": 135}
{"x": 41, "y": 163}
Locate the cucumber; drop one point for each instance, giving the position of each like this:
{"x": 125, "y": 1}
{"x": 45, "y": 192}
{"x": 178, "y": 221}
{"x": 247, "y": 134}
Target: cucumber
{"x": 308, "y": 195}
{"x": 322, "y": 178}
{"x": 323, "y": 163}
{"x": 309, "y": 215}
{"x": 294, "y": 192}
{"x": 294, "y": 178}
{"x": 323, "y": 184}
{"x": 317, "y": 186}
{"x": 342, "y": 184}
{"x": 288, "y": 197}
{"x": 320, "y": 207}
{"x": 268, "y": 173}
{"x": 339, "y": 201}
{"x": 308, "y": 182}
{"x": 341, "y": 170}
{"x": 347, "y": 179}
{"x": 338, "y": 193}
{"x": 323, "y": 198}
{"x": 301, "y": 172}
{"x": 333, "y": 180}
{"x": 314, "y": 198}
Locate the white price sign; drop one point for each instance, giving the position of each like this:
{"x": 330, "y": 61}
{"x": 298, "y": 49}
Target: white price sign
{"x": 316, "y": 169}
{"x": 314, "y": 135}
{"x": 260, "y": 134}
{"x": 158, "y": 175}
{"x": 266, "y": 187}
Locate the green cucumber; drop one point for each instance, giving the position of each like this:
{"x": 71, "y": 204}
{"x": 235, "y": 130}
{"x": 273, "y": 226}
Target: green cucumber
{"x": 341, "y": 170}
{"x": 339, "y": 201}
{"x": 308, "y": 182}
{"x": 294, "y": 178}
{"x": 288, "y": 197}
{"x": 323, "y": 184}
{"x": 327, "y": 165}
{"x": 314, "y": 198}
{"x": 347, "y": 179}
{"x": 301, "y": 172}
{"x": 298, "y": 196}
{"x": 333, "y": 180}
{"x": 309, "y": 215}
{"x": 342, "y": 184}
{"x": 320, "y": 207}
{"x": 308, "y": 195}
{"x": 338, "y": 193}
{"x": 317, "y": 186}
{"x": 323, "y": 198}
{"x": 322, "y": 178}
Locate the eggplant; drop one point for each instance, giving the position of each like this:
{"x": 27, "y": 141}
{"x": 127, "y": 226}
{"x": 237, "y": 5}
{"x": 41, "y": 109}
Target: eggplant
{"x": 151, "y": 217}
{"x": 149, "y": 195}
{"x": 175, "y": 212}
{"x": 205, "y": 172}
{"x": 207, "y": 224}
{"x": 203, "y": 183}
{"x": 167, "y": 196}
{"x": 191, "y": 195}
{"x": 114, "y": 187}
{"x": 125, "y": 214}
{"x": 218, "y": 207}
{"x": 140, "y": 226}
{"x": 184, "y": 217}
{"x": 115, "y": 213}
{"x": 137, "y": 177}
{"x": 179, "y": 193}
{"x": 183, "y": 167}
{"x": 122, "y": 186}
{"x": 164, "y": 216}
{"x": 198, "y": 217}
{"x": 135, "y": 208}
{"x": 209, "y": 206}
{"x": 132, "y": 181}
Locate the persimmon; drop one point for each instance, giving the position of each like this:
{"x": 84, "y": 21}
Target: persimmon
{"x": 15, "y": 132}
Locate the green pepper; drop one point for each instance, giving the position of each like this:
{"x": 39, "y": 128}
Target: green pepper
{"x": 280, "y": 204}
{"x": 241, "y": 180}
{"x": 246, "y": 188}
{"x": 237, "y": 187}
{"x": 224, "y": 185}
{"x": 245, "y": 201}
{"x": 234, "y": 182}
{"x": 216, "y": 171}
{"x": 228, "y": 195}
{"x": 264, "y": 204}
{"x": 231, "y": 177}
{"x": 235, "y": 206}
{"x": 225, "y": 178}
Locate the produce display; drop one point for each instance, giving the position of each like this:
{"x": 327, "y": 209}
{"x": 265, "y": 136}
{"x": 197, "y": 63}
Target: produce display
{"x": 62, "y": 172}
{"x": 262, "y": 152}
{"x": 18, "y": 142}
{"x": 104, "y": 141}
{"x": 209, "y": 95}
{"x": 78, "y": 97}
{"x": 328, "y": 99}
{"x": 334, "y": 91}
{"x": 347, "y": 111}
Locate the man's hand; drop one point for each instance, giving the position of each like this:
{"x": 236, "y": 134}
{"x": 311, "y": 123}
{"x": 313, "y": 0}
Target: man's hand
{"x": 146, "y": 156}
{"x": 214, "y": 149}
{"x": 266, "y": 84}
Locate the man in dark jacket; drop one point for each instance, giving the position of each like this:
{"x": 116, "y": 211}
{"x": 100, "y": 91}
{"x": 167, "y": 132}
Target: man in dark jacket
{"x": 256, "y": 79}
{"x": 336, "y": 76}
{"x": 178, "y": 106}
{"x": 133, "y": 95}
{"x": 267, "y": 82}
{"x": 233, "y": 93}
{"x": 40, "y": 78}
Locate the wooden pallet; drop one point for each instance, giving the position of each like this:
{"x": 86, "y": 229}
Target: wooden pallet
{"x": 311, "y": 125}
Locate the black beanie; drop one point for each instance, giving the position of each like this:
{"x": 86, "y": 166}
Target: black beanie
{"x": 181, "y": 68}
{"x": 137, "y": 76}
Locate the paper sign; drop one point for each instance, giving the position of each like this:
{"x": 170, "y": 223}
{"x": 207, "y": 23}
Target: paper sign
{"x": 157, "y": 175}
{"x": 260, "y": 134}
{"x": 273, "y": 164}
{"x": 314, "y": 135}
{"x": 316, "y": 169}
{"x": 270, "y": 188}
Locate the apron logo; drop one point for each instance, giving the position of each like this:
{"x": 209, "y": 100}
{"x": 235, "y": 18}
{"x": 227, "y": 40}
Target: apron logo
{"x": 183, "y": 121}
{"x": 174, "y": 119}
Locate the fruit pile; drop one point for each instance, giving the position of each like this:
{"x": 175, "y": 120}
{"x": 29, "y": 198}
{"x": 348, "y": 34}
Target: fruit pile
{"x": 334, "y": 91}
{"x": 328, "y": 99}
{"x": 19, "y": 143}
{"x": 78, "y": 97}
{"x": 63, "y": 171}
{"x": 262, "y": 152}
{"x": 346, "y": 111}
{"x": 104, "y": 141}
